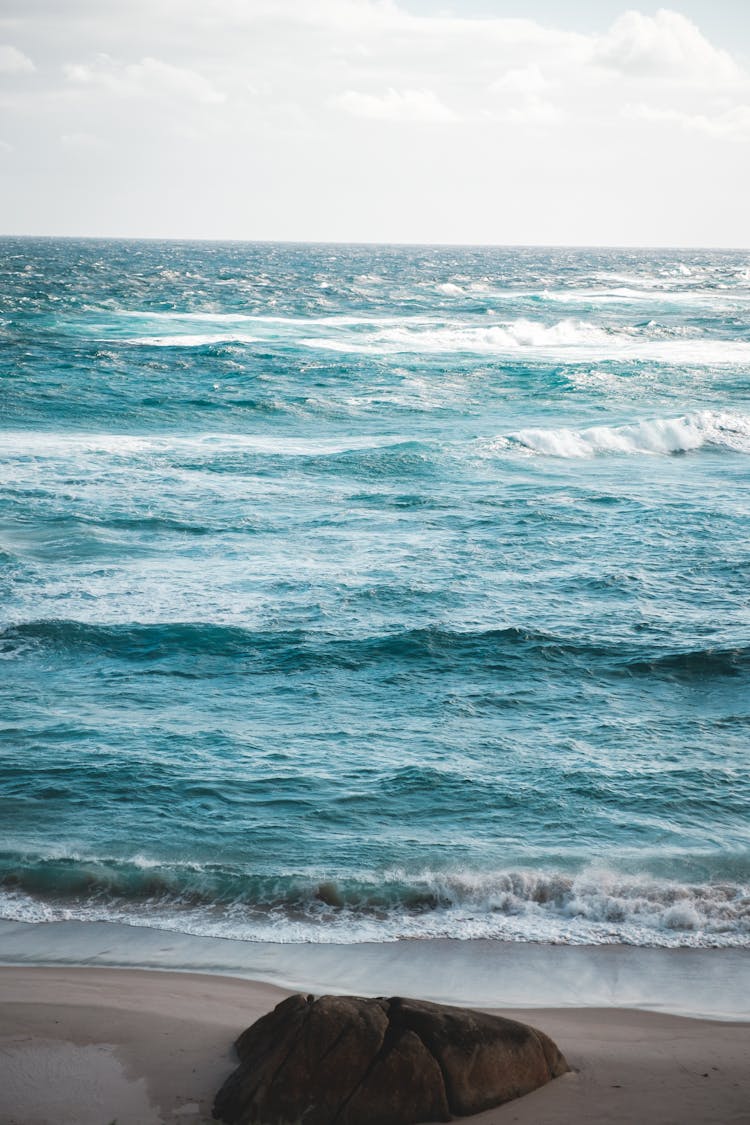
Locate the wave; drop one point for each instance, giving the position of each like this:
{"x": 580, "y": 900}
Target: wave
{"x": 595, "y": 906}
{"x": 49, "y": 444}
{"x": 566, "y": 340}
{"x": 698, "y": 664}
{"x": 679, "y": 277}
{"x": 194, "y": 340}
{"x": 706, "y": 429}
{"x": 212, "y": 329}
{"x": 135, "y": 641}
{"x": 210, "y": 317}
{"x": 712, "y": 299}
{"x": 460, "y": 337}
{"x": 145, "y": 642}
{"x": 438, "y": 648}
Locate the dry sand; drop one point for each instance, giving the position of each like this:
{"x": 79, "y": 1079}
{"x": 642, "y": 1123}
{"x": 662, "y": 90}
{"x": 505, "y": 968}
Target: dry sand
{"x": 93, "y": 1046}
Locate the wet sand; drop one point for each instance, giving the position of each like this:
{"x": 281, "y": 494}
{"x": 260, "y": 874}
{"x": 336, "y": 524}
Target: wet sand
{"x": 706, "y": 983}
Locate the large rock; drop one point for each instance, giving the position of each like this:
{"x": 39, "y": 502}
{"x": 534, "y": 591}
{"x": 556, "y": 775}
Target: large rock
{"x": 343, "y": 1060}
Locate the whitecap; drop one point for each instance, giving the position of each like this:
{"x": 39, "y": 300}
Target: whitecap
{"x": 566, "y": 341}
{"x": 706, "y": 428}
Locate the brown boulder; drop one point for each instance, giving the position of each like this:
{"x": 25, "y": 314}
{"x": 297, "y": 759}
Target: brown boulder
{"x": 485, "y": 1060}
{"x": 344, "y": 1060}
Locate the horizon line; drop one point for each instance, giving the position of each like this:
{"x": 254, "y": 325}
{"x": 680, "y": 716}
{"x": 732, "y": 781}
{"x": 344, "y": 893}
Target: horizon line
{"x": 378, "y": 242}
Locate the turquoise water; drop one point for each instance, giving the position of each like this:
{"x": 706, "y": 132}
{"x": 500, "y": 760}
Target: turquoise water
{"x": 350, "y": 593}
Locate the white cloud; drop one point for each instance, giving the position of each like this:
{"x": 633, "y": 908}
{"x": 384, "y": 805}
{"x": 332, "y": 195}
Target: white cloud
{"x": 731, "y": 123}
{"x": 13, "y": 61}
{"x": 534, "y": 111}
{"x": 149, "y": 78}
{"x": 397, "y": 105}
{"x": 268, "y": 86}
{"x": 521, "y": 80}
{"x": 667, "y": 45}
{"x": 356, "y": 19}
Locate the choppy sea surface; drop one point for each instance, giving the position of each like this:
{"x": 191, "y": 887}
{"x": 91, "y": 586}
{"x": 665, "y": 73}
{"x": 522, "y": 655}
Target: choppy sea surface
{"x": 356, "y": 593}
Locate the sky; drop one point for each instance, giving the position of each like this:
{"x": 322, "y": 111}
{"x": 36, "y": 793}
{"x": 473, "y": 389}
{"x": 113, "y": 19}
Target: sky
{"x": 584, "y": 122}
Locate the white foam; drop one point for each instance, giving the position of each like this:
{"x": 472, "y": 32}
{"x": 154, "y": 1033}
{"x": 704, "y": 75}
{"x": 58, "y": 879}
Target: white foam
{"x": 515, "y": 335}
{"x": 41, "y": 444}
{"x": 707, "y": 428}
{"x": 603, "y": 381}
{"x": 51, "y": 443}
{"x": 566, "y": 341}
{"x": 629, "y": 295}
{"x": 195, "y": 340}
{"x": 219, "y": 318}
{"x": 595, "y": 907}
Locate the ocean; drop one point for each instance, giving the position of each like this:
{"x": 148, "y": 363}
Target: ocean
{"x": 354, "y": 593}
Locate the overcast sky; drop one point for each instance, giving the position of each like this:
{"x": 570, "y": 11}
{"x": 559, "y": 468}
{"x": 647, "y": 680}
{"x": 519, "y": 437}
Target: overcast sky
{"x": 482, "y": 121}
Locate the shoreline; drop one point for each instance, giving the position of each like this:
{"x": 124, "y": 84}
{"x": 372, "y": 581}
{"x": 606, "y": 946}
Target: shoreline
{"x": 86, "y": 1046}
{"x": 694, "y": 983}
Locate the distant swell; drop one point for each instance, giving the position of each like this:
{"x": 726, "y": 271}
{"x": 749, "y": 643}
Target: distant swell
{"x": 595, "y": 906}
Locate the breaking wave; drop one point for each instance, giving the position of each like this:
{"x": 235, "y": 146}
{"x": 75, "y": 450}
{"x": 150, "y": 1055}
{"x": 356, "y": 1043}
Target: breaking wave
{"x": 706, "y": 429}
{"x": 567, "y": 340}
{"x": 595, "y": 906}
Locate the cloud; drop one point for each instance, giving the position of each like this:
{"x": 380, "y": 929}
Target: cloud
{"x": 667, "y": 45}
{"x": 13, "y": 61}
{"x": 521, "y": 80}
{"x": 396, "y": 105}
{"x": 731, "y": 123}
{"x": 149, "y": 78}
{"x": 78, "y": 140}
{"x": 279, "y": 84}
{"x": 533, "y": 111}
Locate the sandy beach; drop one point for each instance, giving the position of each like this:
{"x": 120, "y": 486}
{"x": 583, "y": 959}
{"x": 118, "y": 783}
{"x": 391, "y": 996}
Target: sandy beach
{"x": 83, "y": 1046}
